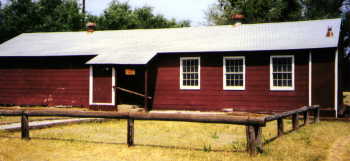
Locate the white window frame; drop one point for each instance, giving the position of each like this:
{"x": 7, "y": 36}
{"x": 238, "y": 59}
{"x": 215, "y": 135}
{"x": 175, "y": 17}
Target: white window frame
{"x": 183, "y": 87}
{"x": 276, "y": 88}
{"x": 225, "y": 87}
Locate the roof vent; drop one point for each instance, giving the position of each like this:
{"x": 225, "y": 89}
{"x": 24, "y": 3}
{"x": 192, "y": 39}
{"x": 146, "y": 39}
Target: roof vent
{"x": 90, "y": 27}
{"x": 237, "y": 19}
{"x": 329, "y": 32}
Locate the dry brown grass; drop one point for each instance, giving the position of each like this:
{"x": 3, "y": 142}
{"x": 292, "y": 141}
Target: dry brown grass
{"x": 173, "y": 141}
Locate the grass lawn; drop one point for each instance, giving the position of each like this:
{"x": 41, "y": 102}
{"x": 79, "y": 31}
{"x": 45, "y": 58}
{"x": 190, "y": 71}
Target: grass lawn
{"x": 169, "y": 141}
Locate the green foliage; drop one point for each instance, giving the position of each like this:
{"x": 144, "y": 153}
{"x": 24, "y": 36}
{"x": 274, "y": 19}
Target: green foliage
{"x": 21, "y": 16}
{"x": 259, "y": 11}
{"x": 17, "y": 18}
{"x": 59, "y": 15}
{"x": 316, "y": 9}
{"x": 238, "y": 145}
{"x": 215, "y": 135}
{"x": 207, "y": 148}
{"x": 120, "y": 16}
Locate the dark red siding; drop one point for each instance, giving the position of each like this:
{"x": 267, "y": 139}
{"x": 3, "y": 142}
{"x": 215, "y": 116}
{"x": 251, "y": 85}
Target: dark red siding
{"x": 256, "y": 97}
{"x": 323, "y": 77}
{"x": 102, "y": 84}
{"x": 45, "y": 81}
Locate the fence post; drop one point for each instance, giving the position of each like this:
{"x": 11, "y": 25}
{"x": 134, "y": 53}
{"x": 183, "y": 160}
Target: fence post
{"x": 317, "y": 115}
{"x": 280, "y": 127}
{"x": 24, "y": 126}
{"x": 295, "y": 121}
{"x": 130, "y": 138}
{"x": 306, "y": 117}
{"x": 254, "y": 143}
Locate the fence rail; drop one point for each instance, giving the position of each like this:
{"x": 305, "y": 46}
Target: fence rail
{"x": 253, "y": 124}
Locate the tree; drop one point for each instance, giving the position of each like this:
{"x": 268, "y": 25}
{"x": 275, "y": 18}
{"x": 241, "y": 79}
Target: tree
{"x": 259, "y": 11}
{"x": 59, "y": 15}
{"x": 20, "y": 16}
{"x": 255, "y": 11}
{"x": 320, "y": 9}
{"x": 120, "y": 16}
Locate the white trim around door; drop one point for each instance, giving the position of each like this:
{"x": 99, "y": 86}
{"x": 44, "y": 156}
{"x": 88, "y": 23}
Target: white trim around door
{"x": 336, "y": 83}
{"x": 310, "y": 78}
{"x": 91, "y": 88}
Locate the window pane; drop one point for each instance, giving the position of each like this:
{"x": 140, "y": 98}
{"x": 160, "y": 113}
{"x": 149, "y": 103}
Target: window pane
{"x": 282, "y": 71}
{"x": 234, "y": 72}
{"x": 279, "y": 82}
{"x": 190, "y": 68}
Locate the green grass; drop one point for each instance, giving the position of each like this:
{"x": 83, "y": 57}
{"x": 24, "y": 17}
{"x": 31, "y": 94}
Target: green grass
{"x": 173, "y": 141}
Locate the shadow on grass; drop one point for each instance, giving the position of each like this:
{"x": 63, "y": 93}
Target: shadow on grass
{"x": 267, "y": 141}
{"x": 116, "y": 143}
{"x": 187, "y": 148}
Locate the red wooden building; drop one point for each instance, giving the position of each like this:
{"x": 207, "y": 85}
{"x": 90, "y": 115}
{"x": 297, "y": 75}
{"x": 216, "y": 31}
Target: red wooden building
{"x": 260, "y": 68}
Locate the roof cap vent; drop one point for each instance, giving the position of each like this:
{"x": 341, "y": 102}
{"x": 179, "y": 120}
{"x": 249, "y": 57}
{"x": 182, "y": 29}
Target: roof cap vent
{"x": 330, "y": 33}
{"x": 90, "y": 27}
{"x": 237, "y": 19}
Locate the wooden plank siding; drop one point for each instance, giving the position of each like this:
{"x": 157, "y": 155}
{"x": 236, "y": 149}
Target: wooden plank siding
{"x": 102, "y": 84}
{"x": 323, "y": 77}
{"x": 257, "y": 95}
{"x": 45, "y": 81}
{"x": 52, "y": 81}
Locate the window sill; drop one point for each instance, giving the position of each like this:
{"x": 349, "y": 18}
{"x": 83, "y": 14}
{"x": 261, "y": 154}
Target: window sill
{"x": 189, "y": 88}
{"x": 282, "y": 89}
{"x": 234, "y": 89}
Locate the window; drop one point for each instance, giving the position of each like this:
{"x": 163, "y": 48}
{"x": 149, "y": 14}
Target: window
{"x": 190, "y": 73}
{"x": 234, "y": 73}
{"x": 282, "y": 72}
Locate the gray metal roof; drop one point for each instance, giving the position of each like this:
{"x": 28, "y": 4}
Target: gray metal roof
{"x": 139, "y": 46}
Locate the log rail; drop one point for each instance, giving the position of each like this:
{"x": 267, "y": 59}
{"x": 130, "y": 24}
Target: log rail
{"x": 253, "y": 124}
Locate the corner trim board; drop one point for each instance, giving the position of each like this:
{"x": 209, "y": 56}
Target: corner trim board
{"x": 336, "y": 83}
{"x": 310, "y": 78}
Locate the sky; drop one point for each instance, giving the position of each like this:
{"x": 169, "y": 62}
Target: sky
{"x": 192, "y": 10}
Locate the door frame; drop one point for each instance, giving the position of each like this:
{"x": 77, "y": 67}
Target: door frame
{"x": 91, "y": 86}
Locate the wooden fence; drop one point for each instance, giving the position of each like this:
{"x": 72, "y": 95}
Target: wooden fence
{"x": 253, "y": 124}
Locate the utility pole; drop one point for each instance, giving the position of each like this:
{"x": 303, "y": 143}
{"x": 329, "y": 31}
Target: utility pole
{"x": 83, "y": 6}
